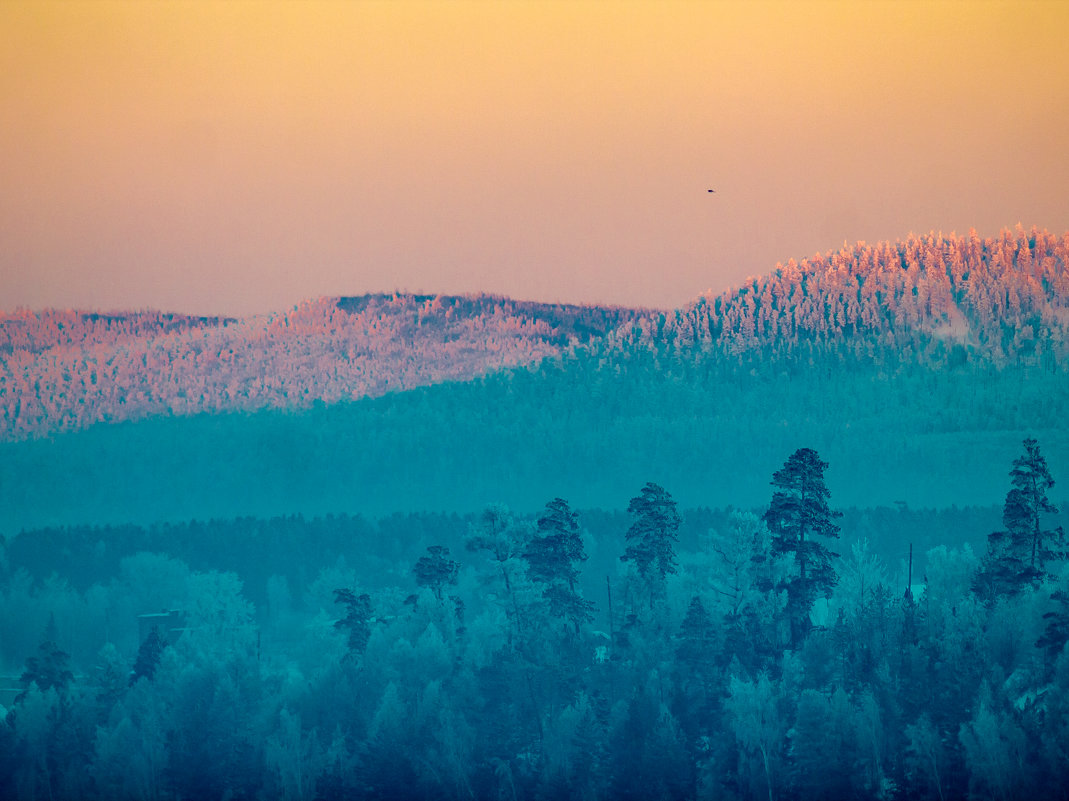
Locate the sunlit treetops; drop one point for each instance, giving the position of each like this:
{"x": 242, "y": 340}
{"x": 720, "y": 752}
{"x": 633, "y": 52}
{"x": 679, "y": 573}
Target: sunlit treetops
{"x": 939, "y": 300}
{"x": 1001, "y": 298}
{"x": 63, "y": 370}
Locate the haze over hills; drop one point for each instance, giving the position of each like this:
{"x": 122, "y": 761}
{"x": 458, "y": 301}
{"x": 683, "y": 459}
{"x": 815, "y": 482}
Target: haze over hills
{"x": 914, "y": 367}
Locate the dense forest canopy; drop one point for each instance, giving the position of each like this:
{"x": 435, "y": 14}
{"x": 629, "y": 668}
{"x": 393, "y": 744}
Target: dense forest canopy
{"x": 592, "y": 654}
{"x": 66, "y": 370}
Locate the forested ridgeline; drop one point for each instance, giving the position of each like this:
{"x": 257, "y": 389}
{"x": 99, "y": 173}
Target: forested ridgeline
{"x": 911, "y": 364}
{"x": 943, "y": 299}
{"x": 779, "y": 653}
{"x": 65, "y": 370}
{"x": 935, "y": 300}
{"x": 580, "y": 428}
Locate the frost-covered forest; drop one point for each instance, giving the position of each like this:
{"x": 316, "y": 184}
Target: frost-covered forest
{"x": 913, "y": 364}
{"x": 779, "y": 652}
{"x": 940, "y": 298}
{"x": 797, "y": 540}
{"x": 66, "y": 370}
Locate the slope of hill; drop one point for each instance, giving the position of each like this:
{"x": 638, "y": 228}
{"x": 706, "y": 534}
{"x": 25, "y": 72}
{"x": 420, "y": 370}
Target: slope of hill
{"x": 915, "y": 369}
{"x": 65, "y": 370}
{"x": 936, "y": 298}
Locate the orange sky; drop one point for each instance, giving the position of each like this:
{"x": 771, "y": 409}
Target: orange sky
{"x": 237, "y": 157}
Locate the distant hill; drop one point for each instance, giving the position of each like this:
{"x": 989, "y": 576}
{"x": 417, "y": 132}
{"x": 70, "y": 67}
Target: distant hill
{"x": 937, "y": 298}
{"x": 66, "y": 370}
{"x": 915, "y": 368}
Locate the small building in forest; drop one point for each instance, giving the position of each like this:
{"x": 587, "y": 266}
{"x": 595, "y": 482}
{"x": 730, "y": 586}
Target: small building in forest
{"x": 171, "y": 625}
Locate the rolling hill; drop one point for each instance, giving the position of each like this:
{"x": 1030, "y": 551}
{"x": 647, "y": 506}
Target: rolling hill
{"x": 915, "y": 368}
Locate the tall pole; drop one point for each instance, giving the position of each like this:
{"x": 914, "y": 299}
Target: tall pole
{"x": 612, "y": 634}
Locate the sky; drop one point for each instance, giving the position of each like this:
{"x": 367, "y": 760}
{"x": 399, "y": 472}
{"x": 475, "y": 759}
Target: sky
{"x": 238, "y": 157}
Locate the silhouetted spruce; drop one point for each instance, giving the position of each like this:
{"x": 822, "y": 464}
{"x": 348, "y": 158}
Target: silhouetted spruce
{"x": 552, "y": 556}
{"x": 357, "y": 620}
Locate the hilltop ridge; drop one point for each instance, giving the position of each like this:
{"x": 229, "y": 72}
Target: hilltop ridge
{"x": 1001, "y": 298}
{"x": 940, "y": 300}
{"x": 65, "y": 370}
{"x": 910, "y": 367}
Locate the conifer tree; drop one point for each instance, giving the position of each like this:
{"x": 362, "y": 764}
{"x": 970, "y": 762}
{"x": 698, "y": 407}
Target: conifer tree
{"x": 50, "y": 668}
{"x": 148, "y": 656}
{"x": 652, "y": 537}
{"x": 553, "y": 556}
{"x": 553, "y": 553}
{"x": 1056, "y": 634}
{"x": 1018, "y": 554}
{"x": 798, "y": 512}
{"x": 696, "y": 649}
{"x": 436, "y": 570}
{"x": 357, "y": 620}
{"x": 696, "y": 644}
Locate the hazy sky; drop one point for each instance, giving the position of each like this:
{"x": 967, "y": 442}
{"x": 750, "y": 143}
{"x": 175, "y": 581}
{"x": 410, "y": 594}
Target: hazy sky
{"x": 238, "y": 157}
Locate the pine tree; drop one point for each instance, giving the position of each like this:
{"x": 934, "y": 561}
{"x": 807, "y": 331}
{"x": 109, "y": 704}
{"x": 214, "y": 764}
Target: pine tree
{"x": 1056, "y": 634}
{"x": 553, "y": 556}
{"x": 50, "y": 668}
{"x": 1025, "y": 505}
{"x": 148, "y": 656}
{"x": 1018, "y": 554}
{"x": 799, "y": 511}
{"x": 436, "y": 570}
{"x": 357, "y": 620}
{"x": 652, "y": 535}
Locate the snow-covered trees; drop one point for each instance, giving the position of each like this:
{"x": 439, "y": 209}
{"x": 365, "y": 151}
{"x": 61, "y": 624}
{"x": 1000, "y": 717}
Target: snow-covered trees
{"x": 66, "y": 370}
{"x": 946, "y": 697}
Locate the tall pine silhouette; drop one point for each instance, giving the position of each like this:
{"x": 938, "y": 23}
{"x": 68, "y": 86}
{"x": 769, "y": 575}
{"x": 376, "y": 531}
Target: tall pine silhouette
{"x": 798, "y": 512}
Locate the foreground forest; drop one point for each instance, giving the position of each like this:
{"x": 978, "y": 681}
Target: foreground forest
{"x": 779, "y": 653}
